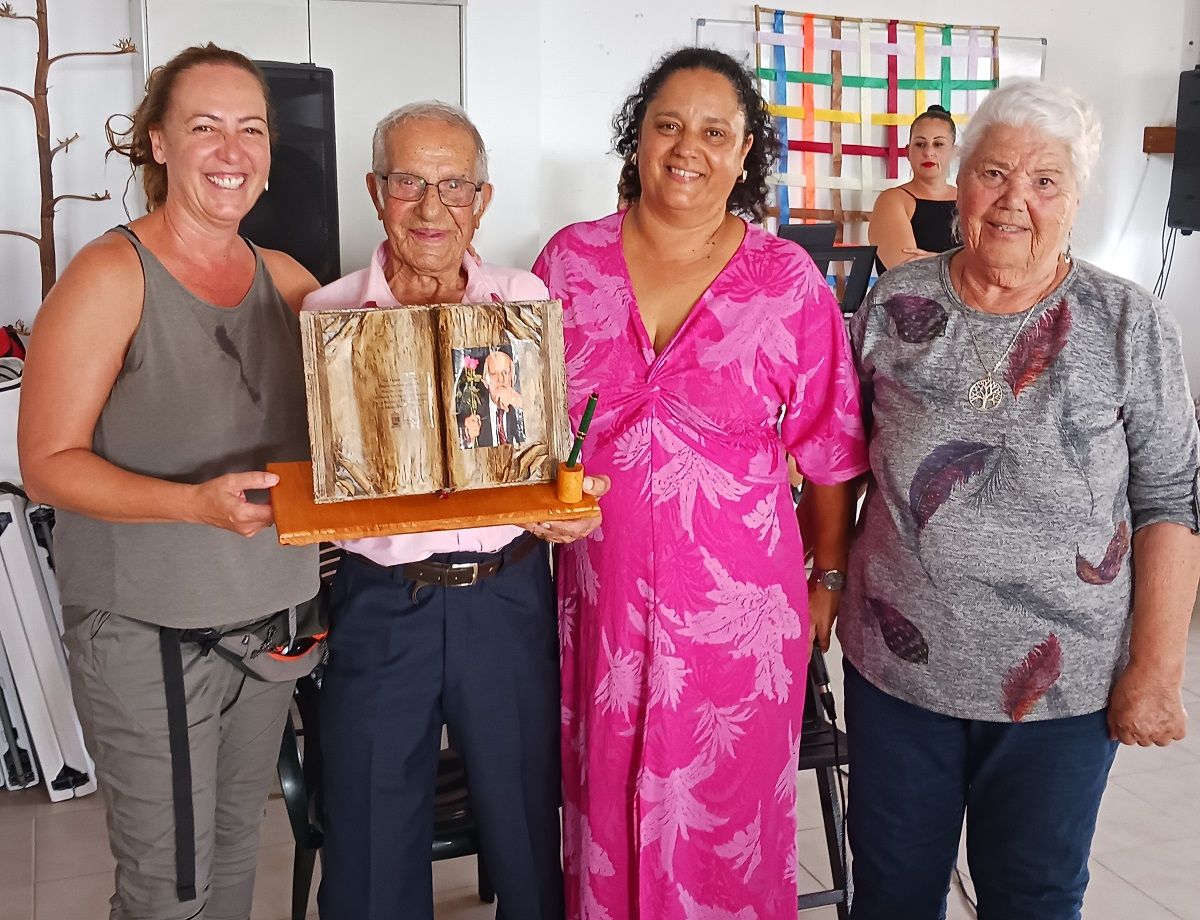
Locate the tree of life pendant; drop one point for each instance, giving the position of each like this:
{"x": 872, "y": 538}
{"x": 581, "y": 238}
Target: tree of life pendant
{"x": 985, "y": 393}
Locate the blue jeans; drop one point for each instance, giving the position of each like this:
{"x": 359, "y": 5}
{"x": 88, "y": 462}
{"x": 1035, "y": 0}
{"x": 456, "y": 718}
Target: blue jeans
{"x": 1030, "y": 791}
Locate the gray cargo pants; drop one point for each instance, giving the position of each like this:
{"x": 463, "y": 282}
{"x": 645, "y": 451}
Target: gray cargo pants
{"x": 234, "y": 728}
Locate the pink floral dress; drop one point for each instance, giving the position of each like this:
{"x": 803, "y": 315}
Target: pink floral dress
{"x": 683, "y": 618}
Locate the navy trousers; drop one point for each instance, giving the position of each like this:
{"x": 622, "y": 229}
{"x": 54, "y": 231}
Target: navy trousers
{"x": 484, "y": 661}
{"x": 1030, "y": 792}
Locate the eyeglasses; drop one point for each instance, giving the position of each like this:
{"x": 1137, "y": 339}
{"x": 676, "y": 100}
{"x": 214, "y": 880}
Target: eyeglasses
{"x": 454, "y": 193}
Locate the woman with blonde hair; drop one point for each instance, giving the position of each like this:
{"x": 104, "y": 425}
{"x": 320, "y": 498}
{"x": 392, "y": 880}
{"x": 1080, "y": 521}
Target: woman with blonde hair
{"x": 164, "y": 373}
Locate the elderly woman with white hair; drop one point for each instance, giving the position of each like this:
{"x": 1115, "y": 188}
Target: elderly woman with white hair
{"x": 1020, "y": 590}
{"x": 414, "y": 644}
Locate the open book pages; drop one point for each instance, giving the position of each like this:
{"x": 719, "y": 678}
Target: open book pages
{"x": 413, "y": 400}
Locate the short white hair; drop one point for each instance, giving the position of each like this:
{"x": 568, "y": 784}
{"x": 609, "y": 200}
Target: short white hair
{"x": 1054, "y": 111}
{"x": 432, "y": 109}
{"x": 487, "y": 371}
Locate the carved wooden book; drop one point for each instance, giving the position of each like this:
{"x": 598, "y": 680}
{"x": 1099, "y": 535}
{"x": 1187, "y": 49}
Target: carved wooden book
{"x": 413, "y": 400}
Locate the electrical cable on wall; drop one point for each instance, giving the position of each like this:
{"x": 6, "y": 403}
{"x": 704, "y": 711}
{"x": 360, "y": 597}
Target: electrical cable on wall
{"x": 1169, "y": 236}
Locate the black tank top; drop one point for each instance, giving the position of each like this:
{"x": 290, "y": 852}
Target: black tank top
{"x": 931, "y": 222}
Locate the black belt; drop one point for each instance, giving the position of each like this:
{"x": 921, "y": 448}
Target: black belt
{"x": 427, "y": 573}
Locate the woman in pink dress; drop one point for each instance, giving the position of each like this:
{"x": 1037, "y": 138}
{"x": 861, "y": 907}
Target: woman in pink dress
{"x": 717, "y": 350}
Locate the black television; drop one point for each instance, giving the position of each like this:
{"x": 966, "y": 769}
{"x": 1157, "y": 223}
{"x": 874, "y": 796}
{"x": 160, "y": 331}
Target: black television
{"x": 298, "y": 212}
{"x": 1183, "y": 207}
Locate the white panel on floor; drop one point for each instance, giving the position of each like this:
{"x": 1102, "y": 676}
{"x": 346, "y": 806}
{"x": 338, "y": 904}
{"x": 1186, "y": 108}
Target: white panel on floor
{"x": 29, "y": 628}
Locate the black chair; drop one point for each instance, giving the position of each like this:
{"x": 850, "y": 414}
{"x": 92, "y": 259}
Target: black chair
{"x": 455, "y": 832}
{"x": 823, "y": 749}
{"x": 809, "y": 236}
{"x": 858, "y": 278}
{"x": 301, "y": 782}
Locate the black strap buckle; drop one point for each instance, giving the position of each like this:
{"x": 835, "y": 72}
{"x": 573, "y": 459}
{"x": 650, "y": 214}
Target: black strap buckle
{"x": 205, "y": 638}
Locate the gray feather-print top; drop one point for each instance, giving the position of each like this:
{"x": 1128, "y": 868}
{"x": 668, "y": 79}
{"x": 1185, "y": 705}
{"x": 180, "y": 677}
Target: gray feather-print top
{"x": 990, "y": 577}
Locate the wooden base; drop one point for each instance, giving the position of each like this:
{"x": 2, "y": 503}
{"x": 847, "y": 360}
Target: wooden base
{"x": 301, "y": 520}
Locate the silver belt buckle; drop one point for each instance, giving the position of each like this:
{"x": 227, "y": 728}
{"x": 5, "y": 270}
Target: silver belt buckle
{"x": 462, "y": 567}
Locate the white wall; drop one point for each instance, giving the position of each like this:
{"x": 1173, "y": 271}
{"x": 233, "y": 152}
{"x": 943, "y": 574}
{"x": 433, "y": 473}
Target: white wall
{"x": 351, "y": 38}
{"x": 83, "y": 92}
{"x": 1183, "y": 292}
{"x": 592, "y": 54}
{"x": 544, "y": 78}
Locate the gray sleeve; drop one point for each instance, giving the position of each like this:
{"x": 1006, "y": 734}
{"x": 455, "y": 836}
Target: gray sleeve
{"x": 857, "y": 329}
{"x": 858, "y": 336}
{"x": 1160, "y": 426}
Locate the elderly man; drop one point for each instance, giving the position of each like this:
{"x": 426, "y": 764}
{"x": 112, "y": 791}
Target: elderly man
{"x": 410, "y": 650}
{"x": 502, "y": 421}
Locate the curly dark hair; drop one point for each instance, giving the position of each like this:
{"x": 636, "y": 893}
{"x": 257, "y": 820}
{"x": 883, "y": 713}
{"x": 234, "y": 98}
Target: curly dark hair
{"x": 749, "y": 196}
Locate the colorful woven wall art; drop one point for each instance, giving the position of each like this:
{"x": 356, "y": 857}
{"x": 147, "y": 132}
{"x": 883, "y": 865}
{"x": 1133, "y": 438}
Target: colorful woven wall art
{"x": 843, "y": 92}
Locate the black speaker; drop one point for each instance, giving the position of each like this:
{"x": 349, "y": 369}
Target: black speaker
{"x": 1183, "y": 207}
{"x": 298, "y": 213}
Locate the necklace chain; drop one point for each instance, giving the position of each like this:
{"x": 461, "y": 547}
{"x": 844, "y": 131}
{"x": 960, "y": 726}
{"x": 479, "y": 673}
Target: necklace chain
{"x": 985, "y": 393}
{"x": 975, "y": 343}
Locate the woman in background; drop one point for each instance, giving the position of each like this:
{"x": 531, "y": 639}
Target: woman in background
{"x": 163, "y": 374}
{"x": 915, "y": 220}
{"x": 685, "y": 617}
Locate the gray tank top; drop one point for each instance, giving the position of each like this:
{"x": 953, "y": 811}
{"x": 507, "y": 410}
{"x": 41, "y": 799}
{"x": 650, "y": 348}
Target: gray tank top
{"x": 204, "y": 391}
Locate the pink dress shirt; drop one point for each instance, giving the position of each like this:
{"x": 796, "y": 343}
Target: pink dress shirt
{"x": 485, "y": 284}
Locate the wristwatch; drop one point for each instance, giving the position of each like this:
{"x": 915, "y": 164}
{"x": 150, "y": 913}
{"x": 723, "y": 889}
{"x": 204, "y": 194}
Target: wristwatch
{"x": 829, "y": 579}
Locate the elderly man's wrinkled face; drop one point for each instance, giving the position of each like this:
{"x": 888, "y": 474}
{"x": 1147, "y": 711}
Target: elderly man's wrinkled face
{"x": 1017, "y": 199}
{"x": 499, "y": 370}
{"x": 426, "y": 236}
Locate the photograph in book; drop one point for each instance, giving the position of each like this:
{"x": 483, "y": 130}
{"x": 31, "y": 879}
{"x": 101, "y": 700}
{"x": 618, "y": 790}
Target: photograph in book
{"x": 413, "y": 400}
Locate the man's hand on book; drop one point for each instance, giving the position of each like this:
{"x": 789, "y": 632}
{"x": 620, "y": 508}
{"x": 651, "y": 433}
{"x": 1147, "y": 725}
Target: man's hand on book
{"x": 570, "y": 531}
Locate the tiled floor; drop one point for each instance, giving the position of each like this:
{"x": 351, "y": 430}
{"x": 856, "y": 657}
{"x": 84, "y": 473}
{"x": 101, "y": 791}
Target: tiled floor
{"x": 55, "y": 864}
